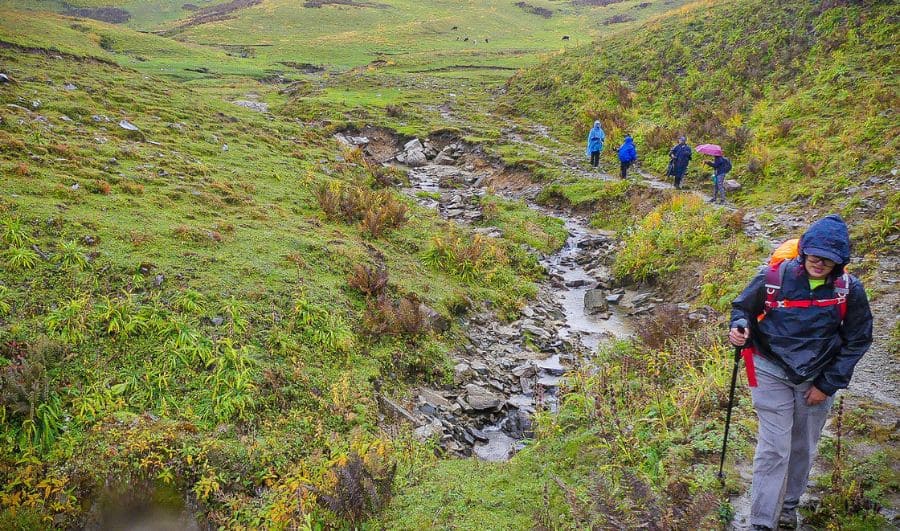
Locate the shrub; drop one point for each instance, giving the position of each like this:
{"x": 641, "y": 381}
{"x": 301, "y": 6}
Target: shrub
{"x": 26, "y": 394}
{"x": 371, "y": 281}
{"x": 394, "y": 111}
{"x": 404, "y": 317}
{"x": 360, "y": 490}
{"x": 22, "y": 170}
{"x": 20, "y": 259}
{"x": 15, "y": 233}
{"x": 375, "y": 211}
{"x": 468, "y": 260}
{"x": 666, "y": 322}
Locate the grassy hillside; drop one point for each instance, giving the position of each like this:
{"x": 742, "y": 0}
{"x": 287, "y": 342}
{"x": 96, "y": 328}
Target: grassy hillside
{"x": 800, "y": 94}
{"x": 181, "y": 305}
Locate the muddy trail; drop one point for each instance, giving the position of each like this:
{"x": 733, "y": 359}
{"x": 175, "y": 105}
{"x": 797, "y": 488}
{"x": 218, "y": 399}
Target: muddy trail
{"x": 509, "y": 370}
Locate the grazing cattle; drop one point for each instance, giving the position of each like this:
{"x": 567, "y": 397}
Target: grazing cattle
{"x": 565, "y": 37}
{"x": 466, "y": 39}
{"x": 455, "y": 28}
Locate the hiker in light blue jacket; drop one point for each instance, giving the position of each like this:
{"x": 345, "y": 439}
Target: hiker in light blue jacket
{"x": 595, "y": 143}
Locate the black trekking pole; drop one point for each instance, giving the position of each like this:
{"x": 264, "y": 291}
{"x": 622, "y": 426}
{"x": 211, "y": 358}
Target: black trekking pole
{"x": 737, "y": 362}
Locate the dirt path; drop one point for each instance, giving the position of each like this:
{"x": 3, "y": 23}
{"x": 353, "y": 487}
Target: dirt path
{"x": 875, "y": 381}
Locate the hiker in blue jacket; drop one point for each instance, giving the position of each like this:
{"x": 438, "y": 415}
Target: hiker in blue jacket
{"x": 806, "y": 336}
{"x": 595, "y": 143}
{"x": 627, "y": 155}
{"x": 679, "y": 158}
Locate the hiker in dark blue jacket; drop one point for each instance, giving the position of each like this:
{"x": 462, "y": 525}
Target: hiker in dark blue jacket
{"x": 679, "y": 158}
{"x": 627, "y": 155}
{"x": 721, "y": 166}
{"x": 803, "y": 353}
{"x": 595, "y": 143}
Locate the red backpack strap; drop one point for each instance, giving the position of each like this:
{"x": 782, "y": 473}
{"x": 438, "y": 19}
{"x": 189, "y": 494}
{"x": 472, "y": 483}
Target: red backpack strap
{"x": 842, "y": 291}
{"x": 774, "y": 280}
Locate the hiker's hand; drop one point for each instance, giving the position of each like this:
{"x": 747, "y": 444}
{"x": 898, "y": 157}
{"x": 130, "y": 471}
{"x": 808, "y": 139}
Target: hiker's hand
{"x": 814, "y": 397}
{"x": 737, "y": 337}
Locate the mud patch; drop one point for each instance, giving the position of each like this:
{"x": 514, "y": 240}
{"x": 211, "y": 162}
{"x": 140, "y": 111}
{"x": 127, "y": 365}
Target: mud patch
{"x": 214, "y": 14}
{"x": 534, "y": 10}
{"x": 454, "y": 68}
{"x": 305, "y": 68}
{"x": 112, "y": 15}
{"x": 351, "y": 3}
{"x": 618, "y": 19}
{"x": 600, "y": 3}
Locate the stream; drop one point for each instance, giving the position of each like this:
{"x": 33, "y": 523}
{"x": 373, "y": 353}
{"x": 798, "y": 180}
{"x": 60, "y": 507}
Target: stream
{"x": 508, "y": 371}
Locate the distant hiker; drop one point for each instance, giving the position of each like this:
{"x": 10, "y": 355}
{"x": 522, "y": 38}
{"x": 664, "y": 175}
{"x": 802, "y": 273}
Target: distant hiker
{"x": 679, "y": 157}
{"x": 627, "y": 155}
{"x": 595, "y": 143}
{"x": 808, "y": 323}
{"x": 721, "y": 165}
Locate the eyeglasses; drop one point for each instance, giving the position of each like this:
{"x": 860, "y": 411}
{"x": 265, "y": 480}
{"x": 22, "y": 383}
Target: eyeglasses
{"x": 819, "y": 261}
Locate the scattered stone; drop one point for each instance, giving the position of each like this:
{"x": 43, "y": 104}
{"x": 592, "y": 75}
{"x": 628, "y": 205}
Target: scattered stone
{"x": 217, "y": 320}
{"x": 158, "y": 280}
{"x": 614, "y": 298}
{"x": 595, "y": 301}
{"x": 6, "y": 79}
{"x": 435, "y": 320}
{"x": 462, "y": 372}
{"x": 423, "y": 433}
{"x": 552, "y": 366}
{"x": 731, "y": 185}
{"x": 433, "y": 398}
{"x": 128, "y": 126}
{"x": 480, "y": 399}
{"x": 413, "y": 145}
{"x": 70, "y": 87}
{"x": 257, "y": 106}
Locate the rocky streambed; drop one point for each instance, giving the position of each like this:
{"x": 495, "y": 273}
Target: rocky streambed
{"x": 506, "y": 371}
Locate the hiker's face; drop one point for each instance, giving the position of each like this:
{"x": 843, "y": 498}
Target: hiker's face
{"x": 818, "y": 267}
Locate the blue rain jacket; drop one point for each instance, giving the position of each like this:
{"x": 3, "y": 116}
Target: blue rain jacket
{"x": 811, "y": 343}
{"x": 628, "y": 153}
{"x": 595, "y": 140}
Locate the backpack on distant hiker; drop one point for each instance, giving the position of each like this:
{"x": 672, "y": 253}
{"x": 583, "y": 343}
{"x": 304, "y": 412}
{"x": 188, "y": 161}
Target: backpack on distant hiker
{"x": 727, "y": 167}
{"x": 785, "y": 252}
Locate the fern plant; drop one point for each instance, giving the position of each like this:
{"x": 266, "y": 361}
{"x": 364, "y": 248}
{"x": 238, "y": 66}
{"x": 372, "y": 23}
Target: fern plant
{"x": 70, "y": 256}
{"x": 20, "y": 259}
{"x": 190, "y": 302}
{"x": 14, "y": 233}
{"x": 69, "y": 320}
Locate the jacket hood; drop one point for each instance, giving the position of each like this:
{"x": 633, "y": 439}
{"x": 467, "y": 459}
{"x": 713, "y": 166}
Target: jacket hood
{"x": 628, "y": 140}
{"x": 827, "y": 238}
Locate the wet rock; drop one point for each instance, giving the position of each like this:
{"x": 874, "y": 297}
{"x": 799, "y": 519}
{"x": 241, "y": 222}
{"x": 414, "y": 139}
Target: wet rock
{"x": 413, "y": 145}
{"x": 595, "y": 301}
{"x": 577, "y": 283}
{"x": 444, "y": 160}
{"x": 433, "y": 398}
{"x": 462, "y": 372}
{"x": 415, "y": 158}
{"x": 128, "y": 126}
{"x": 433, "y": 319}
{"x": 552, "y": 365}
{"x": 477, "y": 434}
{"x": 614, "y": 298}
{"x": 731, "y": 185}
{"x": 423, "y": 433}
{"x": 257, "y": 106}
{"x": 524, "y": 370}
{"x": 536, "y": 332}
{"x": 549, "y": 381}
{"x": 518, "y": 424}
{"x": 522, "y": 402}
{"x": 480, "y": 399}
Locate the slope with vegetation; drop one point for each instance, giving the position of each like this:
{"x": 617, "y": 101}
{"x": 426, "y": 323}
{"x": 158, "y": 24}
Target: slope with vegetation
{"x": 801, "y": 95}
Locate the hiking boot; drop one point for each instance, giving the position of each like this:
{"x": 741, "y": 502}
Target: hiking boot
{"x": 788, "y": 519}
{"x": 757, "y": 527}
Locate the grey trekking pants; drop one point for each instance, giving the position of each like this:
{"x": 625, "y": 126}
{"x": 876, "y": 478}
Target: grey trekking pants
{"x": 789, "y": 432}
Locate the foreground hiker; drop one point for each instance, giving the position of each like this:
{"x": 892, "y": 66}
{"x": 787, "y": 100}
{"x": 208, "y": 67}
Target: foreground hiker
{"x": 595, "y": 143}
{"x": 679, "y": 158}
{"x": 721, "y": 165}
{"x": 627, "y": 155}
{"x": 806, "y": 323}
